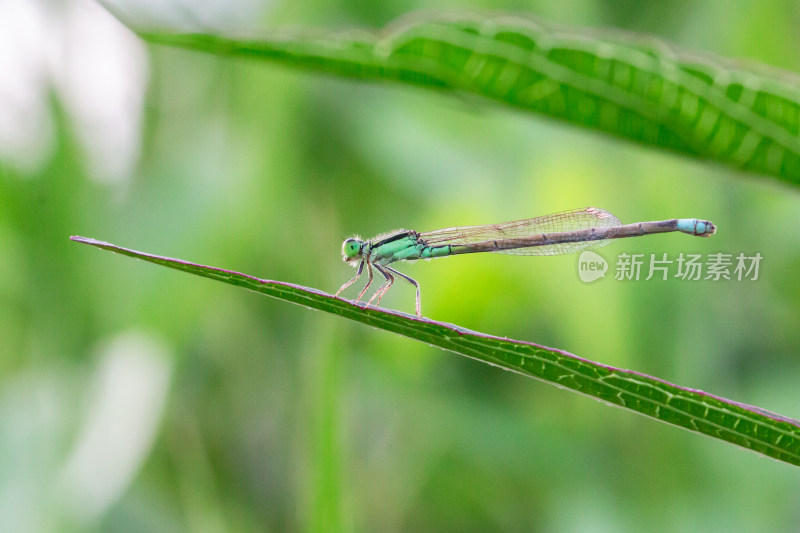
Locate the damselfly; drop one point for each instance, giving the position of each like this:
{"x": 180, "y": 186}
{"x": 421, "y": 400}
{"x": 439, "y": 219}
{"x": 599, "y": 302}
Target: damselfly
{"x": 556, "y": 234}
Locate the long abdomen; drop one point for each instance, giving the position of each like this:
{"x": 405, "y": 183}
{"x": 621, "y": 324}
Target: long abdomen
{"x": 691, "y": 226}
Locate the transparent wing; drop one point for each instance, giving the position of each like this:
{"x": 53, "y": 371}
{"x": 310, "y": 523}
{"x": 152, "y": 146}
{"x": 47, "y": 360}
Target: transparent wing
{"x": 578, "y": 219}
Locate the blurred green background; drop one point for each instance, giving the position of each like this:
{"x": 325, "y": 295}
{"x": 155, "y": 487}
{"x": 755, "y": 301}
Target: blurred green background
{"x": 134, "y": 398}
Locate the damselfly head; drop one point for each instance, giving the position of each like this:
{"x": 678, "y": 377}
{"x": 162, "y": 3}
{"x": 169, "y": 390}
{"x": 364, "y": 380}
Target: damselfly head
{"x": 351, "y": 250}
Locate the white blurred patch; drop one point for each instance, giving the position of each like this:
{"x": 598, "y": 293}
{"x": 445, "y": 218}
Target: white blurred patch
{"x": 125, "y": 404}
{"x": 102, "y": 75}
{"x": 98, "y": 69}
{"x": 33, "y": 409}
{"x": 26, "y": 129}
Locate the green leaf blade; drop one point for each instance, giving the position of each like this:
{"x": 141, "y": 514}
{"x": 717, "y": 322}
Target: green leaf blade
{"x": 747, "y": 426}
{"x": 632, "y": 87}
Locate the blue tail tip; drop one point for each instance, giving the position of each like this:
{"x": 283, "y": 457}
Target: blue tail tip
{"x": 693, "y": 226}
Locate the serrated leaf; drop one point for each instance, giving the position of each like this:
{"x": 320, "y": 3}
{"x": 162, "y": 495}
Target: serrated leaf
{"x": 630, "y": 86}
{"x": 744, "y": 425}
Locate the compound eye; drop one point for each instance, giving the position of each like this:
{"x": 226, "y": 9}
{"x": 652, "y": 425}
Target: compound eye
{"x": 350, "y": 249}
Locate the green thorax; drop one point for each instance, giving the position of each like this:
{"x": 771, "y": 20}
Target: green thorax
{"x": 402, "y": 246}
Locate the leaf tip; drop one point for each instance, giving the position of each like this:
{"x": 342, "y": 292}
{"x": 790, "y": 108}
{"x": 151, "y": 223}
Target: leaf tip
{"x": 87, "y": 240}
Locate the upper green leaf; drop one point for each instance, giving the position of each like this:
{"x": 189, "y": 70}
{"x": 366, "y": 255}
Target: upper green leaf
{"x": 633, "y": 87}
